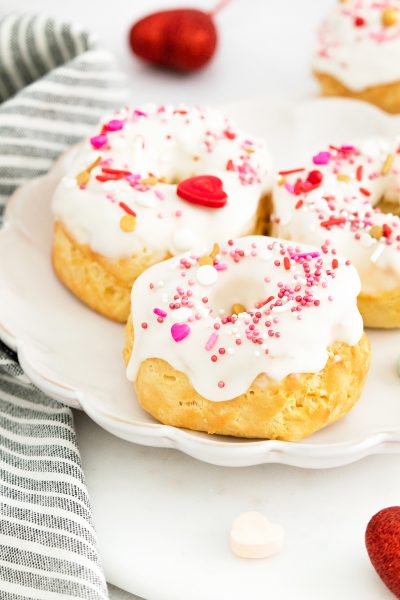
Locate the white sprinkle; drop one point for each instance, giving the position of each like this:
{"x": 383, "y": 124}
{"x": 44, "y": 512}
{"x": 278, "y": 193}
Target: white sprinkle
{"x": 375, "y": 256}
{"x": 206, "y": 275}
{"x": 256, "y": 353}
{"x": 165, "y": 298}
{"x": 181, "y": 314}
{"x": 284, "y": 307}
{"x": 230, "y": 351}
{"x": 160, "y": 283}
{"x": 183, "y": 239}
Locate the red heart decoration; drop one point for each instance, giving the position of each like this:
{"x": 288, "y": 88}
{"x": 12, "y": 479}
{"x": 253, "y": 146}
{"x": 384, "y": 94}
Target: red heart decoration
{"x": 203, "y": 190}
{"x": 182, "y": 39}
{"x": 382, "y": 539}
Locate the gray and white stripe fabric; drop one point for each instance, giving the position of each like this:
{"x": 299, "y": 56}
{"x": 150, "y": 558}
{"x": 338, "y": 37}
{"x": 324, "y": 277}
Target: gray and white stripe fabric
{"x": 54, "y": 85}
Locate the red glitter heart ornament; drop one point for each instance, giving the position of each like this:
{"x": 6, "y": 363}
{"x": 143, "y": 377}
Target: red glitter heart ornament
{"x": 382, "y": 539}
{"x": 203, "y": 190}
{"x": 183, "y": 39}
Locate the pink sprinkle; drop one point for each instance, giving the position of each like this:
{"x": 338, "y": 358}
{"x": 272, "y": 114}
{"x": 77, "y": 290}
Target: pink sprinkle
{"x": 212, "y": 340}
{"x": 161, "y": 196}
{"x": 305, "y": 255}
{"x": 114, "y": 125}
{"x": 221, "y": 267}
{"x": 98, "y": 141}
{"x": 139, "y": 113}
{"x": 289, "y": 187}
{"x": 322, "y": 158}
{"x": 179, "y": 331}
{"x": 221, "y": 384}
{"x": 159, "y": 312}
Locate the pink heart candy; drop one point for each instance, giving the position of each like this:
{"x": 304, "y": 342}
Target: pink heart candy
{"x": 179, "y": 331}
{"x": 114, "y": 125}
{"x": 98, "y": 141}
{"x": 322, "y": 158}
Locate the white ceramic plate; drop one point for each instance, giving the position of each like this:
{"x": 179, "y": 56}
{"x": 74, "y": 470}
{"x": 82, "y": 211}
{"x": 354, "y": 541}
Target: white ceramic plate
{"x": 74, "y": 355}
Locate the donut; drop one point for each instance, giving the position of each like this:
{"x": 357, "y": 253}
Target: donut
{"x": 346, "y": 196}
{"x": 153, "y": 182}
{"x": 358, "y": 52}
{"x": 267, "y": 342}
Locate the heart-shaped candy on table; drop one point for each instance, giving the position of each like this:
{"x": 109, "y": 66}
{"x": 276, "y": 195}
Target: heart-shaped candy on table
{"x": 203, "y": 190}
{"x": 253, "y": 536}
{"x": 382, "y": 539}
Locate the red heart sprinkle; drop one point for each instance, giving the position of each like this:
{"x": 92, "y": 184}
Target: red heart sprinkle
{"x": 203, "y": 190}
{"x": 382, "y": 539}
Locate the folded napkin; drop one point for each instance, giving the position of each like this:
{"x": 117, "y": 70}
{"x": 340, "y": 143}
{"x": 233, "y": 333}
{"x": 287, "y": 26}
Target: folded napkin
{"x": 54, "y": 85}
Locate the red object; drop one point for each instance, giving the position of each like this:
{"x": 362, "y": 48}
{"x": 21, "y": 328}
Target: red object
{"x": 382, "y": 539}
{"x": 333, "y": 221}
{"x": 315, "y": 177}
{"x": 126, "y": 208}
{"x": 359, "y": 22}
{"x": 183, "y": 39}
{"x": 203, "y": 190}
{"x": 386, "y": 230}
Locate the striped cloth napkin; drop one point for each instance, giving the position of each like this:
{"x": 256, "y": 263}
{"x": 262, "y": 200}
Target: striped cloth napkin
{"x": 54, "y": 85}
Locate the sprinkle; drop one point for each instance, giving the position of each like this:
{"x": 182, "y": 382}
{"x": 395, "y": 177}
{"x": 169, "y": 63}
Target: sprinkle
{"x": 215, "y": 250}
{"x": 221, "y": 384}
{"x": 127, "y": 223}
{"x": 283, "y": 307}
{"x": 159, "y": 312}
{"x": 179, "y": 331}
{"x": 365, "y": 192}
{"x": 335, "y": 263}
{"x": 322, "y": 158}
{"x": 206, "y": 275}
{"x": 286, "y": 263}
{"x": 377, "y": 253}
{"x": 387, "y": 165}
{"x": 230, "y": 135}
{"x": 149, "y": 181}
{"x": 98, "y": 141}
{"x": 389, "y": 17}
{"x": 230, "y": 165}
{"x": 126, "y": 208}
{"x": 114, "y": 125}
{"x": 305, "y": 255}
{"x": 144, "y": 325}
{"x": 284, "y": 173}
{"x": 83, "y": 177}
{"x": 205, "y": 260}
{"x": 238, "y": 308}
{"x": 212, "y": 340}
{"x": 264, "y": 302}
{"x": 386, "y": 230}
{"x": 333, "y": 221}
{"x": 299, "y": 204}
{"x": 376, "y": 232}
{"x": 343, "y": 177}
{"x": 359, "y": 22}
{"x": 359, "y": 172}
{"x": 181, "y": 314}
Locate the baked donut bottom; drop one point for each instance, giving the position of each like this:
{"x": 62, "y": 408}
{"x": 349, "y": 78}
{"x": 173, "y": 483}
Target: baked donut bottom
{"x": 288, "y": 410}
{"x": 385, "y": 96}
{"x": 104, "y": 284}
{"x": 380, "y": 310}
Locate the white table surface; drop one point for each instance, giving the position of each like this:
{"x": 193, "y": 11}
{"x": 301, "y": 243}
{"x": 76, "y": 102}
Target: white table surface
{"x": 265, "y": 46}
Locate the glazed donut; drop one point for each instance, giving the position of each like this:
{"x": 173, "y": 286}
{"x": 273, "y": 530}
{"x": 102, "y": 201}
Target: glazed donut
{"x": 337, "y": 197}
{"x": 358, "y": 52}
{"x": 267, "y": 342}
{"x": 153, "y": 182}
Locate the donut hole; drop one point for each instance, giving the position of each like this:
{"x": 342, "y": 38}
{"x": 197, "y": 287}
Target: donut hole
{"x": 244, "y": 291}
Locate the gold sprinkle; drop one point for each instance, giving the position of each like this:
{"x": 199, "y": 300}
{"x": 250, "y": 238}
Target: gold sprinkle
{"x": 83, "y": 177}
{"x": 149, "y": 181}
{"x": 389, "y": 17}
{"x": 387, "y": 165}
{"x": 376, "y": 232}
{"x": 195, "y": 158}
{"x": 127, "y": 223}
{"x": 281, "y": 180}
{"x": 205, "y": 260}
{"x": 237, "y": 309}
{"x": 214, "y": 251}
{"x": 342, "y": 177}
{"x": 249, "y": 150}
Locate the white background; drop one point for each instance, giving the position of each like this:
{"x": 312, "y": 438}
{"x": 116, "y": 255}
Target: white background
{"x": 148, "y": 502}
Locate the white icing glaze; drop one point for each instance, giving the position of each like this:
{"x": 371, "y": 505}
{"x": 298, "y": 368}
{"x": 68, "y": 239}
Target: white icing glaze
{"x": 171, "y": 144}
{"x": 355, "y": 47}
{"x": 302, "y": 216}
{"x": 284, "y": 336}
